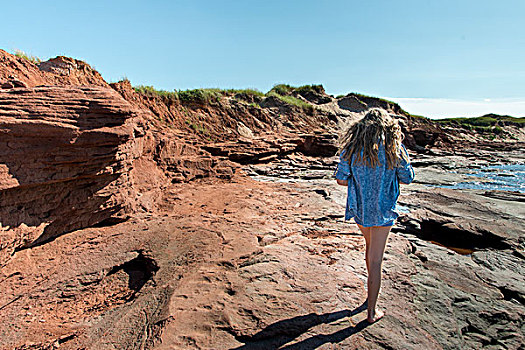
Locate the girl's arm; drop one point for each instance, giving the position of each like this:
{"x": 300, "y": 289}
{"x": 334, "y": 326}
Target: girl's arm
{"x": 405, "y": 172}
{"x": 342, "y": 173}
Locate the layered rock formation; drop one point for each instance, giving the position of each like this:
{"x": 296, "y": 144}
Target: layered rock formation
{"x": 75, "y": 156}
{"x": 130, "y": 220}
{"x": 66, "y": 157}
{"x": 18, "y": 72}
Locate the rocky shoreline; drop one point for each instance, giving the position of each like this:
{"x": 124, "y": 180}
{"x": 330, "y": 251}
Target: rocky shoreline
{"x": 470, "y": 247}
{"x": 134, "y": 221}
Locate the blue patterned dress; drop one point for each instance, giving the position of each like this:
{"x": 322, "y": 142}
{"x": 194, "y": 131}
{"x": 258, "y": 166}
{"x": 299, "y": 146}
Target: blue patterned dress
{"x": 373, "y": 191}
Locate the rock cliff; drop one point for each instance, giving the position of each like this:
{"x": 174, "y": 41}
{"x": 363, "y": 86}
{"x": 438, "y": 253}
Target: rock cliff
{"x": 66, "y": 157}
{"x": 133, "y": 218}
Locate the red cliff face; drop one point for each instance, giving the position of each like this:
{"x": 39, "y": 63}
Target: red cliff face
{"x": 66, "y": 156}
{"x": 75, "y": 153}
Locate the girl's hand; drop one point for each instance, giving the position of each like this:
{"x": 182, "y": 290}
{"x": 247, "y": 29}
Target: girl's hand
{"x": 342, "y": 182}
{"x": 405, "y": 172}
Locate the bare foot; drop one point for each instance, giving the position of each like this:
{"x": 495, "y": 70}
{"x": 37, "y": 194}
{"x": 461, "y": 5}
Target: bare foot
{"x": 374, "y": 316}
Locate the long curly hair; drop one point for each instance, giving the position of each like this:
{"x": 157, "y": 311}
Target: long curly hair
{"x": 367, "y": 133}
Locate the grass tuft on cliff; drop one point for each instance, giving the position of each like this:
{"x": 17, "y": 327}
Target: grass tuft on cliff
{"x": 209, "y": 95}
{"x": 25, "y": 56}
{"x": 285, "y": 89}
{"x": 199, "y": 95}
{"x": 366, "y": 98}
{"x": 293, "y": 101}
{"x": 484, "y": 121}
{"x": 487, "y": 124}
{"x": 149, "y": 90}
{"x": 233, "y": 92}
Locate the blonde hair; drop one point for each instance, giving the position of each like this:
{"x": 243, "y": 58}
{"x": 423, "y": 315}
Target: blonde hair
{"x": 363, "y": 137}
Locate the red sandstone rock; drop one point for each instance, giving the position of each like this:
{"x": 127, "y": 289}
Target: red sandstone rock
{"x": 213, "y": 263}
{"x": 65, "y": 157}
{"x": 57, "y": 71}
{"x": 73, "y": 157}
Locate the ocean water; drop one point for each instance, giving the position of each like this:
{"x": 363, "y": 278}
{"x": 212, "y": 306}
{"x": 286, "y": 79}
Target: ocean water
{"x": 507, "y": 177}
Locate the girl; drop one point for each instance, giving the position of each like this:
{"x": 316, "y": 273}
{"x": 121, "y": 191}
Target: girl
{"x": 372, "y": 163}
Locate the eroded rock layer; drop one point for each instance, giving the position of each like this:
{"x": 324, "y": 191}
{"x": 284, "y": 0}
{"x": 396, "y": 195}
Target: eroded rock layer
{"x": 66, "y": 153}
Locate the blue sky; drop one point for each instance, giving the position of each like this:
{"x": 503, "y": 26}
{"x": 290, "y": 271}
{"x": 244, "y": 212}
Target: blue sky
{"x": 416, "y": 50}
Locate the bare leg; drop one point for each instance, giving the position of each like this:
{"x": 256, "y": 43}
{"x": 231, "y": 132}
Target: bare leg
{"x": 378, "y": 238}
{"x": 366, "y": 233}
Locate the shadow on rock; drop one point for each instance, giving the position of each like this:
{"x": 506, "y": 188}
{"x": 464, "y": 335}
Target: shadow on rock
{"x": 278, "y": 334}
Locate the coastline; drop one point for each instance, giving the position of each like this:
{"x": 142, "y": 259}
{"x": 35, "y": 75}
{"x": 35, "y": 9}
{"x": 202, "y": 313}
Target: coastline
{"x": 134, "y": 218}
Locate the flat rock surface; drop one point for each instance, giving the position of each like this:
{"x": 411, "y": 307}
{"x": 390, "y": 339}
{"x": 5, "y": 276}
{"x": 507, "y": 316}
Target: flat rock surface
{"x": 252, "y": 265}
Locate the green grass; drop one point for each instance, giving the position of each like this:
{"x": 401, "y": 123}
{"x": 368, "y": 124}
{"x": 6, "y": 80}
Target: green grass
{"x": 244, "y": 95}
{"x": 478, "y": 121}
{"x": 358, "y": 95}
{"x": 200, "y": 128}
{"x": 32, "y": 59}
{"x": 487, "y": 124}
{"x": 209, "y": 95}
{"x": 232, "y": 92}
{"x": 513, "y": 120}
{"x": 149, "y": 90}
{"x": 285, "y": 89}
{"x": 213, "y": 94}
{"x": 484, "y": 121}
{"x": 195, "y": 95}
{"x": 281, "y": 89}
{"x": 315, "y": 88}
{"x": 293, "y": 101}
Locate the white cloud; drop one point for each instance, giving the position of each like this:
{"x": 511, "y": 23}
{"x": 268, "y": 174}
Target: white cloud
{"x": 438, "y": 108}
